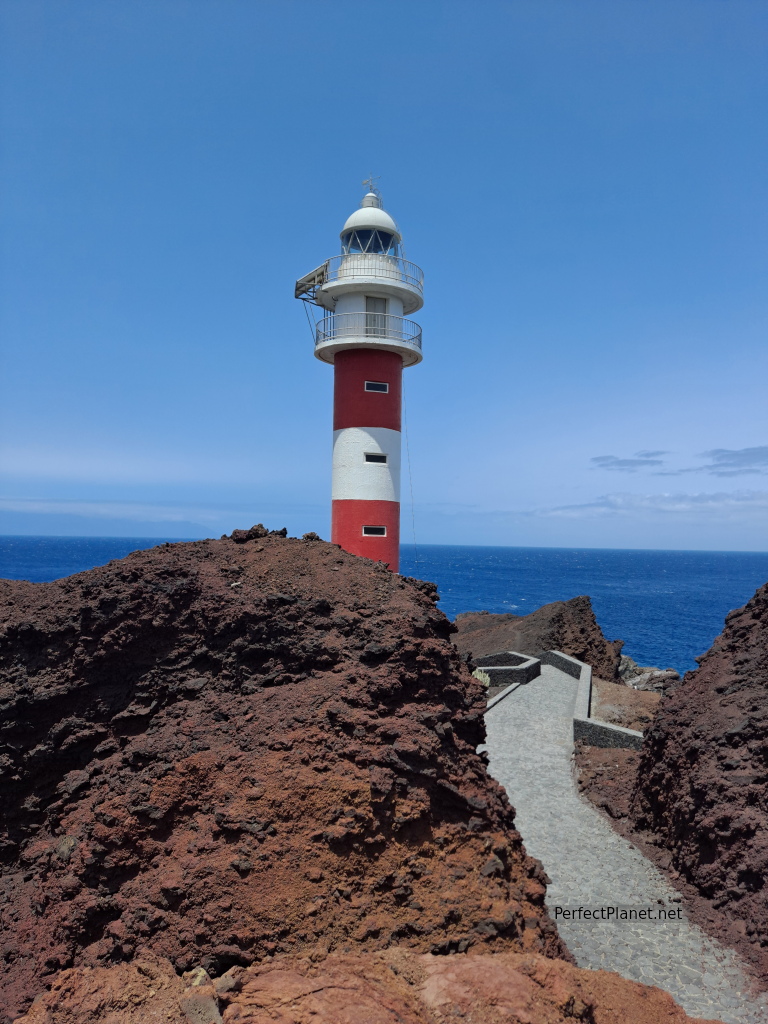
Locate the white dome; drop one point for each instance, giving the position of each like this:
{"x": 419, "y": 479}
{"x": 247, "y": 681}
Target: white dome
{"x": 372, "y": 218}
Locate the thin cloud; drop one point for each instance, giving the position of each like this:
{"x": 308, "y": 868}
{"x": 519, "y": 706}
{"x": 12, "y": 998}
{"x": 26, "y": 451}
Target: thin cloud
{"x": 727, "y": 462}
{"x": 615, "y": 464}
{"x": 723, "y": 462}
{"x": 734, "y": 462}
{"x": 720, "y": 504}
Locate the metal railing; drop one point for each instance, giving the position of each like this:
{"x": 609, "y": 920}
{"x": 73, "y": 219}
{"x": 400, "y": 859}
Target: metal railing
{"x": 370, "y": 264}
{"x": 381, "y": 326}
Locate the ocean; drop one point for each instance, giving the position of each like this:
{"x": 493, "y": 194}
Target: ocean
{"x": 667, "y": 606}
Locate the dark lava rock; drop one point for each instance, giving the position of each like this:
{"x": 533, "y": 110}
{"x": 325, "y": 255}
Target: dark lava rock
{"x": 567, "y": 626}
{"x": 702, "y": 782}
{"x": 218, "y": 751}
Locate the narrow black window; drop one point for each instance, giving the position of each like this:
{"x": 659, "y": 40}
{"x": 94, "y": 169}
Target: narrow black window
{"x": 376, "y": 457}
{"x": 377, "y": 385}
{"x": 374, "y": 531}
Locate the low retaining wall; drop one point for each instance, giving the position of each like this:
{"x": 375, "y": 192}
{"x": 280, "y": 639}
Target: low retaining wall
{"x": 565, "y": 663}
{"x": 504, "y": 659}
{"x": 585, "y": 728}
{"x": 523, "y": 669}
{"x": 507, "y": 670}
{"x": 602, "y": 734}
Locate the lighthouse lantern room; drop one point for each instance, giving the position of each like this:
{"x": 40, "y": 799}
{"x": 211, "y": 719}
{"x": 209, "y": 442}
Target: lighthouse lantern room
{"x": 367, "y": 291}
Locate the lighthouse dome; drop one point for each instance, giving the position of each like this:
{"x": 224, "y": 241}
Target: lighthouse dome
{"x": 370, "y": 229}
{"x": 372, "y": 218}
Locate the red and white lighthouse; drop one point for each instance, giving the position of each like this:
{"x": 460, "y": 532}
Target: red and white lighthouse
{"x": 367, "y": 291}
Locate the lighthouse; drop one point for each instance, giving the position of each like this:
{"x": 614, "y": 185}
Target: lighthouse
{"x": 367, "y": 292}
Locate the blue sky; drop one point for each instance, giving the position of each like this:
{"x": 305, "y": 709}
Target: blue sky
{"x": 583, "y": 183}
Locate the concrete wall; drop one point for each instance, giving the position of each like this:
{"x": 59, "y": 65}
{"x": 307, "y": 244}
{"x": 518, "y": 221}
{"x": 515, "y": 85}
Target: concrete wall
{"x": 601, "y": 734}
{"x": 523, "y": 669}
{"x": 504, "y": 658}
{"x": 586, "y": 728}
{"x": 505, "y": 675}
{"x": 564, "y": 662}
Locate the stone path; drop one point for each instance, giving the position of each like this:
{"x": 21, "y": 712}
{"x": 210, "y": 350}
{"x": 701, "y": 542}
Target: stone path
{"x": 530, "y": 746}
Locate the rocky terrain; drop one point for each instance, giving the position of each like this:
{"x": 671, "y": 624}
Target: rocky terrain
{"x": 252, "y": 761}
{"x": 567, "y": 626}
{"x": 221, "y": 750}
{"x": 396, "y": 986}
{"x": 702, "y": 782}
{"x": 607, "y": 777}
{"x": 647, "y": 677}
{"x": 619, "y": 704}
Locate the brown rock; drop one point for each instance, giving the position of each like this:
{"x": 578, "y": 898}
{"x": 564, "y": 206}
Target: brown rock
{"x": 702, "y": 781}
{"x": 200, "y": 1005}
{"x": 619, "y": 704}
{"x": 606, "y": 776}
{"x": 647, "y": 677}
{"x": 397, "y": 986}
{"x": 143, "y": 992}
{"x": 219, "y": 751}
{"x": 567, "y": 626}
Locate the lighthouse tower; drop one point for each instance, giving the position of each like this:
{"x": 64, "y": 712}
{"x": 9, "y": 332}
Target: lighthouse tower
{"x": 367, "y": 291}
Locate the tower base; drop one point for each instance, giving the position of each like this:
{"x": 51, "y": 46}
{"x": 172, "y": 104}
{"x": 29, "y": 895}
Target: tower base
{"x": 349, "y": 519}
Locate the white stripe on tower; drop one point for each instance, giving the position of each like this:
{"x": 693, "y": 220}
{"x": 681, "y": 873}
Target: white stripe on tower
{"x": 356, "y": 477}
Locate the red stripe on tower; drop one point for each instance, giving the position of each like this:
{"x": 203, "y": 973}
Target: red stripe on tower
{"x": 357, "y": 526}
{"x": 354, "y": 405}
{"x": 368, "y": 290}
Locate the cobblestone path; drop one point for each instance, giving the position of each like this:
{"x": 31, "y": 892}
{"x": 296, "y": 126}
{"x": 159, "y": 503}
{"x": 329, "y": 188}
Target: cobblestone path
{"x": 530, "y": 745}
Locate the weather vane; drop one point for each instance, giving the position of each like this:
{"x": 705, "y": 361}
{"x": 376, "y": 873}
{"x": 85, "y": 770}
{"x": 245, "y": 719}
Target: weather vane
{"x": 370, "y": 181}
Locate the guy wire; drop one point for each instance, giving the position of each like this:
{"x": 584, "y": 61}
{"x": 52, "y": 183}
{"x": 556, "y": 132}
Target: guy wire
{"x": 309, "y": 321}
{"x": 410, "y": 476}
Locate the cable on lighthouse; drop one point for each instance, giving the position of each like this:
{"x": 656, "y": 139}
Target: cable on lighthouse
{"x": 410, "y": 478}
{"x": 312, "y": 326}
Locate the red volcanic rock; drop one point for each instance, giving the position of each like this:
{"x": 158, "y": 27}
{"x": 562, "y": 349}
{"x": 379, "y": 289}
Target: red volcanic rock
{"x": 607, "y": 776}
{"x": 218, "y": 751}
{"x": 702, "y": 782}
{"x": 397, "y": 986}
{"x": 567, "y": 626}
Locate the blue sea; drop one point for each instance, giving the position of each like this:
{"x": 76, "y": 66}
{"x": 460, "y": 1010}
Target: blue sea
{"x": 667, "y": 606}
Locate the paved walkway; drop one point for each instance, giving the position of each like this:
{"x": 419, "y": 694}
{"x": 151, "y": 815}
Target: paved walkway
{"x": 530, "y": 746}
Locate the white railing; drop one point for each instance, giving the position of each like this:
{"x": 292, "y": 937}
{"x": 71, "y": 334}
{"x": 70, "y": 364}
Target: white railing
{"x": 371, "y": 264}
{"x": 380, "y": 326}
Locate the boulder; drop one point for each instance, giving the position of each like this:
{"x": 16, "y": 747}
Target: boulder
{"x": 647, "y": 677}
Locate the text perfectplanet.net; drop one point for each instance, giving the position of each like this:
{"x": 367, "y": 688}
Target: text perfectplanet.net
{"x": 619, "y": 913}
